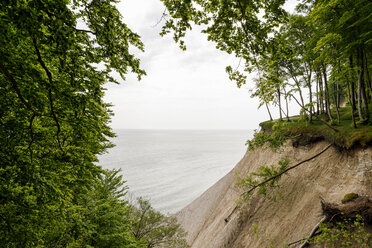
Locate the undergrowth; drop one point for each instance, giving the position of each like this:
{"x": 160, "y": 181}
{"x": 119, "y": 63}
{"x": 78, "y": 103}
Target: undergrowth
{"x": 277, "y": 132}
{"x": 346, "y": 233}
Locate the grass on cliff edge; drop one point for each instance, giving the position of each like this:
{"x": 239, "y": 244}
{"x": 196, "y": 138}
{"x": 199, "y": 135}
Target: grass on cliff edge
{"x": 347, "y": 137}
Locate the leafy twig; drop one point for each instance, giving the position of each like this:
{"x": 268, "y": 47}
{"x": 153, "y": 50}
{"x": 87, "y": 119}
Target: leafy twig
{"x": 286, "y": 170}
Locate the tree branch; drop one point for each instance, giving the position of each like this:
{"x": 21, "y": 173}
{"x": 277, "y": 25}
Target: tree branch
{"x": 50, "y": 95}
{"x": 316, "y": 227}
{"x": 227, "y": 219}
{"x": 286, "y": 170}
{"x": 85, "y": 31}
{"x": 17, "y": 90}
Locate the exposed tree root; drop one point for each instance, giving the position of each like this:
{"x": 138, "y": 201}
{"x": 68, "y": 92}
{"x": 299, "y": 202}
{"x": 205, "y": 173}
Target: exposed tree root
{"x": 313, "y": 232}
{"x": 360, "y": 206}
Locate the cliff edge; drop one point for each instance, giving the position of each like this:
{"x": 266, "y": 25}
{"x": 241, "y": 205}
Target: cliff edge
{"x": 264, "y": 223}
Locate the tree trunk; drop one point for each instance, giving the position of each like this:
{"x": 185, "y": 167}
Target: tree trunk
{"x": 351, "y": 103}
{"x": 279, "y": 102}
{"x": 268, "y": 110}
{"x": 362, "y": 97}
{"x": 299, "y": 89}
{"x": 327, "y": 103}
{"x": 352, "y": 85}
{"x": 368, "y": 79}
{"x": 364, "y": 93}
{"x": 311, "y": 98}
{"x": 335, "y": 99}
{"x": 322, "y": 103}
{"x": 317, "y": 95}
{"x": 286, "y": 104}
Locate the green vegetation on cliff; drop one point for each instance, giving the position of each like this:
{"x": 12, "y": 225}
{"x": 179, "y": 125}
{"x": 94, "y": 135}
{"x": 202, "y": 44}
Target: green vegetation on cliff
{"x": 300, "y": 130}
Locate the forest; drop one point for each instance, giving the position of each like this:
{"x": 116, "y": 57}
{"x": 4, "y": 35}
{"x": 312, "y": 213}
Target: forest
{"x": 56, "y": 56}
{"x": 318, "y": 57}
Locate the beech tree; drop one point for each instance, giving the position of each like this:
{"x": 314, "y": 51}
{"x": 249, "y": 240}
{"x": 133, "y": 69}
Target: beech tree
{"x": 55, "y": 57}
{"x": 315, "y": 45}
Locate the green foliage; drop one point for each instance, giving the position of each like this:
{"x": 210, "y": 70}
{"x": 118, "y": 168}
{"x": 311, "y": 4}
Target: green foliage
{"x": 235, "y": 26}
{"x": 55, "y": 57}
{"x": 347, "y": 137}
{"x": 275, "y": 140}
{"x": 324, "y": 46}
{"x": 104, "y": 219}
{"x": 349, "y": 197}
{"x": 155, "y": 229}
{"x": 258, "y": 179}
{"x": 346, "y": 233}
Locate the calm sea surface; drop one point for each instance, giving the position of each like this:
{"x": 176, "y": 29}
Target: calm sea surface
{"x": 172, "y": 168}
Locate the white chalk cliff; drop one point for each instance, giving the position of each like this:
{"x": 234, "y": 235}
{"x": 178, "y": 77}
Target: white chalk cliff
{"x": 263, "y": 222}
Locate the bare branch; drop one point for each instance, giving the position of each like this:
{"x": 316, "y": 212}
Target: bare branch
{"x": 85, "y": 31}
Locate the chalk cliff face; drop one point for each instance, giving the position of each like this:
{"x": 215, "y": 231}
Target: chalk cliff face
{"x": 263, "y": 222}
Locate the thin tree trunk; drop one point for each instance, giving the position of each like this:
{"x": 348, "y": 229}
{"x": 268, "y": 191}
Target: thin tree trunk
{"x": 337, "y": 94}
{"x": 360, "y": 110}
{"x": 362, "y": 98}
{"x": 322, "y": 103}
{"x": 297, "y": 84}
{"x": 335, "y": 99}
{"x": 268, "y": 110}
{"x": 368, "y": 79}
{"x": 280, "y": 105}
{"x": 317, "y": 95}
{"x": 328, "y": 107}
{"x": 352, "y": 85}
{"x": 351, "y": 103}
{"x": 286, "y": 103}
{"x": 311, "y": 98}
{"x": 364, "y": 94}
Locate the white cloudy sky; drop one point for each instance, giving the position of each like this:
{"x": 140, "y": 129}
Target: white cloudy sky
{"x": 182, "y": 89}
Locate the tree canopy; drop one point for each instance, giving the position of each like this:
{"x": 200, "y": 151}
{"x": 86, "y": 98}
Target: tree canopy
{"x": 55, "y": 57}
{"x": 323, "y": 49}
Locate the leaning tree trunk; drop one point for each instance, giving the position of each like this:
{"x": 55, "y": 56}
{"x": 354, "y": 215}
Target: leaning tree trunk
{"x": 268, "y": 110}
{"x": 328, "y": 107}
{"x": 299, "y": 89}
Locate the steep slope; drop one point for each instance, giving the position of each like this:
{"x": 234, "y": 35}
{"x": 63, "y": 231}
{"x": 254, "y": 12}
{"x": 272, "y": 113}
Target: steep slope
{"x": 263, "y": 222}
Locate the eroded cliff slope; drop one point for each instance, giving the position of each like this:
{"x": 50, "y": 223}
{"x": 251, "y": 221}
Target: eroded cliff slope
{"x": 263, "y": 222}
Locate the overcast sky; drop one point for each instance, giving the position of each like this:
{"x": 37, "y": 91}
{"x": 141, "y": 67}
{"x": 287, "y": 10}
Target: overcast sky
{"x": 183, "y": 89}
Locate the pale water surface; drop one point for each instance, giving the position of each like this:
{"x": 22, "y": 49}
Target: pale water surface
{"x": 174, "y": 167}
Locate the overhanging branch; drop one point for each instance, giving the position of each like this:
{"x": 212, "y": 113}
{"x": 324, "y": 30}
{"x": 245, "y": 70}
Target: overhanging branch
{"x": 50, "y": 95}
{"x": 17, "y": 90}
{"x": 286, "y": 170}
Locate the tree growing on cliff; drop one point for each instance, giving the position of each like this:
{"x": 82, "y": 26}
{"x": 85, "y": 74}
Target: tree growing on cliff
{"x": 315, "y": 45}
{"x": 55, "y": 57}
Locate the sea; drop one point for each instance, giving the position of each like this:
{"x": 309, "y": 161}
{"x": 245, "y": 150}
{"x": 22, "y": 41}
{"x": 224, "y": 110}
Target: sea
{"x": 171, "y": 168}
